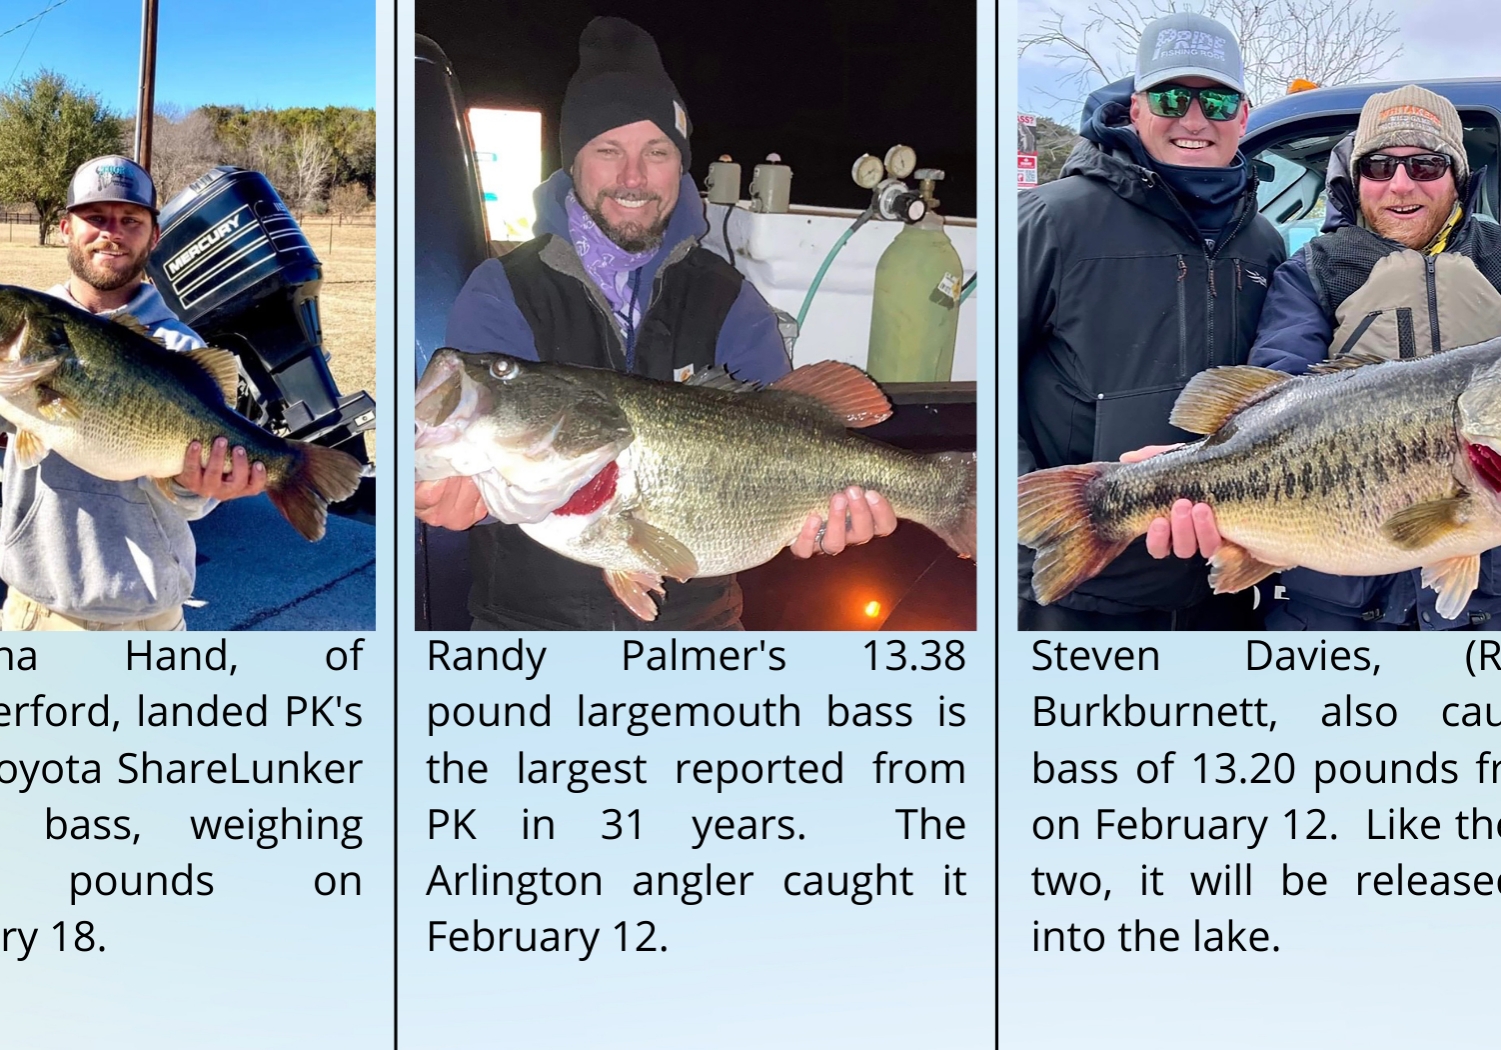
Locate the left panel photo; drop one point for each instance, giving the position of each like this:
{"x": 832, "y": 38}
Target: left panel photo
{"x": 187, "y": 316}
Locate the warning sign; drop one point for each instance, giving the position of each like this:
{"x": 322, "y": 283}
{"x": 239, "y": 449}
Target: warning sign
{"x": 1026, "y": 150}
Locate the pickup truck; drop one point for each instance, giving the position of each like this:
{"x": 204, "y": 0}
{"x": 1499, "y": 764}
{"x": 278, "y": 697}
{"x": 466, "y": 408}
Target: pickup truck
{"x": 1290, "y": 138}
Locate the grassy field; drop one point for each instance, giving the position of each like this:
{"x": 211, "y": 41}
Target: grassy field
{"x": 346, "y": 302}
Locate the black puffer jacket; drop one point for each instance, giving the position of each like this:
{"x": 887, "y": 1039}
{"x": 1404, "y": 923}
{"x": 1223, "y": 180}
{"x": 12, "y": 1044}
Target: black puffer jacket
{"x": 1122, "y": 302}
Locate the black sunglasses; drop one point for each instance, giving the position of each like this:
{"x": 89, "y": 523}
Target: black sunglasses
{"x": 1421, "y": 167}
{"x": 1173, "y": 100}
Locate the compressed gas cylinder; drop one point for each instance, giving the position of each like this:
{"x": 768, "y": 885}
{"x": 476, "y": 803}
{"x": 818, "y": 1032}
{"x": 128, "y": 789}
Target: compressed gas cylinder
{"x": 914, "y": 318}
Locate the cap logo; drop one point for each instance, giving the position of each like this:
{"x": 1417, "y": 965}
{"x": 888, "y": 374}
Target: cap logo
{"x": 1188, "y": 43}
{"x": 680, "y": 118}
{"x": 114, "y": 175}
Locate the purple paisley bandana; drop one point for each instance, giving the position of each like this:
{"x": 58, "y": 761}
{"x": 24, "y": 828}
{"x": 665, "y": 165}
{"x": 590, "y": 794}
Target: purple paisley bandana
{"x": 609, "y": 264}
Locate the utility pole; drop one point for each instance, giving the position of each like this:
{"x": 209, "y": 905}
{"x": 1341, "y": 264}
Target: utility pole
{"x": 146, "y": 98}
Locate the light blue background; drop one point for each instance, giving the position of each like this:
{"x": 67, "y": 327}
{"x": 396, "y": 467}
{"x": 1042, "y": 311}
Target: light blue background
{"x": 1366, "y": 971}
{"x": 753, "y": 971}
{"x": 264, "y": 961}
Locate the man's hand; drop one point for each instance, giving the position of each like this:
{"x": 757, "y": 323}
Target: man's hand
{"x": 868, "y": 515}
{"x": 244, "y": 478}
{"x": 453, "y": 503}
{"x": 1188, "y": 529}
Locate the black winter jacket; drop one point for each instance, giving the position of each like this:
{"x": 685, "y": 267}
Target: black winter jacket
{"x": 1121, "y": 302}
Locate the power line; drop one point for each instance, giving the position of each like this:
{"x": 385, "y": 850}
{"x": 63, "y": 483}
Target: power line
{"x": 33, "y": 18}
{"x": 13, "y": 69}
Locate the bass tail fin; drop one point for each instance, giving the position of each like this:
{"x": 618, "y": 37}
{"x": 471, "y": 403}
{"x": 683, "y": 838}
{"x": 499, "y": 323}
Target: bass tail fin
{"x": 1053, "y": 517}
{"x": 959, "y": 527}
{"x": 321, "y": 476}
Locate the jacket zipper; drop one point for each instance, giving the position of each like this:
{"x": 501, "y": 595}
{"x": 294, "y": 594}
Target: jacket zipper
{"x": 1211, "y": 257}
{"x": 1429, "y": 264}
{"x": 1182, "y": 318}
{"x": 1247, "y": 210}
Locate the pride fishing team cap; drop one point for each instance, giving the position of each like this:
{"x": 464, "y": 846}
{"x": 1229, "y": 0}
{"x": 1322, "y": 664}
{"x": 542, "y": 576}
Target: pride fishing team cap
{"x": 1185, "y": 44}
{"x": 1412, "y": 116}
{"x": 112, "y": 178}
{"x": 620, "y": 80}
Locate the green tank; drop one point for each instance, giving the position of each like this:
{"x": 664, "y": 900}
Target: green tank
{"x": 914, "y": 318}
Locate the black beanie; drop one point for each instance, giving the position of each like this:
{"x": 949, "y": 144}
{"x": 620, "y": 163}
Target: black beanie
{"x": 620, "y": 80}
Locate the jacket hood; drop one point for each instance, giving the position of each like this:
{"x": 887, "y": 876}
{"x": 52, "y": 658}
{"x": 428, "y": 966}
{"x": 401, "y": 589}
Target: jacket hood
{"x": 686, "y": 223}
{"x": 1342, "y": 199}
{"x": 145, "y": 306}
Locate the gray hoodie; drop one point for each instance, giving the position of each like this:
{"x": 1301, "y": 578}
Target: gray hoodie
{"x": 112, "y": 551}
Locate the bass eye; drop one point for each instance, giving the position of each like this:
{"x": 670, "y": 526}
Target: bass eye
{"x": 503, "y": 368}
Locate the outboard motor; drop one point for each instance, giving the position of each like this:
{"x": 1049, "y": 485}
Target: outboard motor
{"x": 234, "y": 265}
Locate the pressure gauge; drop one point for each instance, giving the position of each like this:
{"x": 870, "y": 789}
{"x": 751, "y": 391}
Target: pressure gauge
{"x": 868, "y": 172}
{"x": 900, "y": 161}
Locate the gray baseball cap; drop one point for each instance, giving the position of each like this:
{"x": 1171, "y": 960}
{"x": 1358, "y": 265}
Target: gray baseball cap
{"x": 1185, "y": 44}
{"x": 111, "y": 178}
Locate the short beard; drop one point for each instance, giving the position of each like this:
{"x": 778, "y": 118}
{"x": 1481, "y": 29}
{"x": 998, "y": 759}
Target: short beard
{"x": 79, "y": 263}
{"x": 633, "y": 237}
{"x": 1423, "y": 237}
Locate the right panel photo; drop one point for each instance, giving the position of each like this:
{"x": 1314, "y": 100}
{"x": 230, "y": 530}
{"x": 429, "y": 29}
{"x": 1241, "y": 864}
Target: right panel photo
{"x": 1257, "y": 338}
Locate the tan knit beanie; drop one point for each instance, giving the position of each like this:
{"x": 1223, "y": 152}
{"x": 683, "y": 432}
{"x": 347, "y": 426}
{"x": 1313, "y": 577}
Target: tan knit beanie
{"x": 1412, "y": 116}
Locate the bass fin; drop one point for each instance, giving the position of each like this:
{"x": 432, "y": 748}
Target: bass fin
{"x": 222, "y": 367}
{"x": 959, "y": 527}
{"x": 1455, "y": 579}
{"x": 28, "y": 448}
{"x": 1424, "y": 523}
{"x": 632, "y": 589}
{"x": 667, "y": 555}
{"x": 132, "y": 323}
{"x": 1345, "y": 362}
{"x": 719, "y": 378}
{"x": 320, "y": 476}
{"x": 1233, "y": 568}
{"x": 1213, "y": 396}
{"x": 17, "y": 376}
{"x": 54, "y": 407}
{"x": 1053, "y": 516}
{"x": 840, "y": 389}
{"x": 164, "y": 485}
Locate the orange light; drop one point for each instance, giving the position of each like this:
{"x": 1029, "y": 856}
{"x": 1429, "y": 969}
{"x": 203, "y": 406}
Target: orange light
{"x": 1299, "y": 84}
{"x": 872, "y": 609}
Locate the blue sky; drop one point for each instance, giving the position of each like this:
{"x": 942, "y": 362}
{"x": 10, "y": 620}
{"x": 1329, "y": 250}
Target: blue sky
{"x": 256, "y": 53}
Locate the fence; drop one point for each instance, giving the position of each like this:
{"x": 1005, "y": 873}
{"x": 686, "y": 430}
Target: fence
{"x": 20, "y": 228}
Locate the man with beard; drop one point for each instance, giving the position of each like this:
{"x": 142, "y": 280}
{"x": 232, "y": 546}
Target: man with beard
{"x": 616, "y": 279}
{"x": 1403, "y": 269}
{"x": 81, "y": 553}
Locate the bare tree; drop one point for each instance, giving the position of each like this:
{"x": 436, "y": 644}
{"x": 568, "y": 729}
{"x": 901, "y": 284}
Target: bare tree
{"x": 310, "y": 163}
{"x": 1280, "y": 40}
{"x": 182, "y": 148}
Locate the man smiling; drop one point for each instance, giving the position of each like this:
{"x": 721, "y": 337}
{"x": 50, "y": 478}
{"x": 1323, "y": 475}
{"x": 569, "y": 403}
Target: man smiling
{"x": 1403, "y": 269}
{"x": 1145, "y": 264}
{"x": 616, "y": 278}
{"x": 80, "y": 553}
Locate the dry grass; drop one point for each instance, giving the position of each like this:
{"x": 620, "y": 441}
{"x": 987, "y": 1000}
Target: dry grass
{"x": 346, "y": 302}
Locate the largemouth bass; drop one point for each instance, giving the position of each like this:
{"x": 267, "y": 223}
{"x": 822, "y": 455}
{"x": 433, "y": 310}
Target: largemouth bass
{"x": 1366, "y": 468}
{"x": 650, "y": 480}
{"x": 117, "y": 404}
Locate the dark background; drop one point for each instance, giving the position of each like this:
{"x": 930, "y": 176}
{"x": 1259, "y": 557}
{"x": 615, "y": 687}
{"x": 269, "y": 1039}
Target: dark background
{"x": 818, "y": 85}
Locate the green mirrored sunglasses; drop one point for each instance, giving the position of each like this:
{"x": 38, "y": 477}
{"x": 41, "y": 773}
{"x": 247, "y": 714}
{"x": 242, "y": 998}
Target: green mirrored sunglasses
{"x": 1173, "y": 100}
